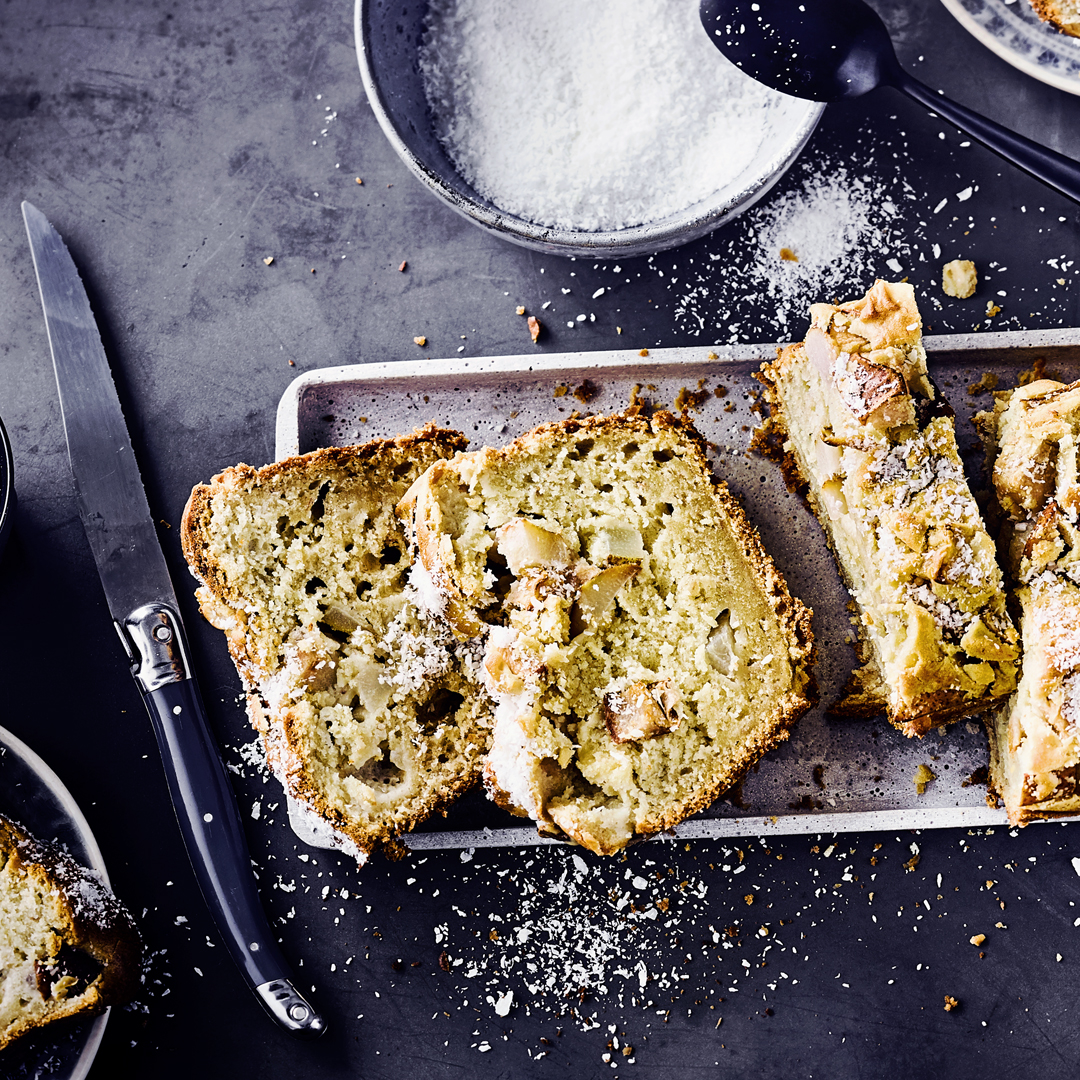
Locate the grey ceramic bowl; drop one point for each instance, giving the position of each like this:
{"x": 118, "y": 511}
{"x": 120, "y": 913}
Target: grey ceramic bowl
{"x": 387, "y": 38}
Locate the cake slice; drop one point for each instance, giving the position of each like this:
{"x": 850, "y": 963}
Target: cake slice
{"x": 367, "y": 715}
{"x": 641, "y": 646}
{"x": 1032, "y": 437}
{"x": 67, "y": 945}
{"x": 864, "y": 431}
{"x": 1062, "y": 14}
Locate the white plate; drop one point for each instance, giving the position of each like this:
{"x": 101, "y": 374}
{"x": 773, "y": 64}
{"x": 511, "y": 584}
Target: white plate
{"x": 34, "y": 796}
{"x": 1013, "y": 30}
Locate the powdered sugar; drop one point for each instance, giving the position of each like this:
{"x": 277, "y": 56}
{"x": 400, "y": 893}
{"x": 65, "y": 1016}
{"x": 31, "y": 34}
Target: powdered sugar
{"x": 569, "y": 114}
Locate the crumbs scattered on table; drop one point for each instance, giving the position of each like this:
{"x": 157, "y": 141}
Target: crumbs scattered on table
{"x": 992, "y": 309}
{"x": 421, "y": 340}
{"x": 520, "y": 309}
{"x": 534, "y": 327}
{"x": 951, "y": 1003}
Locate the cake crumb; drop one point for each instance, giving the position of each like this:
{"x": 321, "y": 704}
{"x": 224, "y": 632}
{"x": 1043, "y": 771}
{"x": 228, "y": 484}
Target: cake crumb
{"x": 988, "y": 381}
{"x": 268, "y": 260}
{"x": 561, "y": 390}
{"x": 534, "y": 327}
{"x": 421, "y": 340}
{"x": 951, "y": 1003}
{"x": 586, "y": 391}
{"x": 403, "y": 267}
{"x": 1037, "y": 371}
{"x": 643, "y": 352}
{"x": 519, "y": 310}
{"x": 959, "y": 278}
{"x": 922, "y": 778}
{"x": 787, "y": 255}
{"x": 977, "y": 939}
{"x": 359, "y": 181}
{"x": 992, "y": 309}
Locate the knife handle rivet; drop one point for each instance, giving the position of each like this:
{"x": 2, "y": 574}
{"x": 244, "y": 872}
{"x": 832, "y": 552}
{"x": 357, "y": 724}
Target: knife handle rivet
{"x": 299, "y": 1013}
{"x": 162, "y": 633}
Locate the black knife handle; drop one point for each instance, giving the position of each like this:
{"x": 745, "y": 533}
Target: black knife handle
{"x": 210, "y": 823}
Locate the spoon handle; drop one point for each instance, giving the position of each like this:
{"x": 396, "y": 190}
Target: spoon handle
{"x": 1053, "y": 169}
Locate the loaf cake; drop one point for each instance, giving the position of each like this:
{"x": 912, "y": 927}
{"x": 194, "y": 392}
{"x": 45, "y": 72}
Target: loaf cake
{"x": 641, "y": 646}
{"x": 1064, "y": 14}
{"x": 67, "y": 945}
{"x": 871, "y": 441}
{"x": 366, "y": 711}
{"x": 1031, "y": 437}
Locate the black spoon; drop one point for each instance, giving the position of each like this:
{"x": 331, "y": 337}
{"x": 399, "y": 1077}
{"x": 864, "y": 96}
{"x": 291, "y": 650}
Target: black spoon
{"x": 826, "y": 50}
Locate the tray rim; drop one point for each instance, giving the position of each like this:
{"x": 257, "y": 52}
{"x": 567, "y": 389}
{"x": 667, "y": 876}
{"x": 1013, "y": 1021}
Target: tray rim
{"x": 287, "y": 423}
{"x": 954, "y": 346}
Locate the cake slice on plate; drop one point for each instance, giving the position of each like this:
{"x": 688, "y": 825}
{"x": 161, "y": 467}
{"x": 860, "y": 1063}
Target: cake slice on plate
{"x": 67, "y": 946}
{"x": 366, "y": 712}
{"x": 1063, "y": 14}
{"x": 865, "y": 432}
{"x": 641, "y": 646}
{"x": 1032, "y": 436}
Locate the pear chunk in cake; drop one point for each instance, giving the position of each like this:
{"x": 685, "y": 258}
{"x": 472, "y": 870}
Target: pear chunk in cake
{"x": 872, "y": 441}
{"x": 641, "y": 646}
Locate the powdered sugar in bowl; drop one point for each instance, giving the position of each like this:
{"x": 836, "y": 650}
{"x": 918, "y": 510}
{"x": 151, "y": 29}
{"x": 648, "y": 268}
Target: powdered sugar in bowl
{"x": 599, "y": 128}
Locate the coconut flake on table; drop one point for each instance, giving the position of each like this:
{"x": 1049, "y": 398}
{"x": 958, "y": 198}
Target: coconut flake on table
{"x": 589, "y": 116}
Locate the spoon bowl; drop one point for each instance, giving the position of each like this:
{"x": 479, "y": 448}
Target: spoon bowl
{"x": 826, "y": 50}
{"x": 823, "y": 50}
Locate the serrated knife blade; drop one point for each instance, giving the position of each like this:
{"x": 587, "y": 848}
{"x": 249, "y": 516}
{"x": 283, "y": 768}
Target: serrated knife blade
{"x": 114, "y": 511}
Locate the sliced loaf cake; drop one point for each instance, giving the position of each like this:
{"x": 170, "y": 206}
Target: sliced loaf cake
{"x": 642, "y": 647}
{"x": 873, "y": 445}
{"x": 67, "y": 945}
{"x": 1032, "y": 437}
{"x": 367, "y": 716}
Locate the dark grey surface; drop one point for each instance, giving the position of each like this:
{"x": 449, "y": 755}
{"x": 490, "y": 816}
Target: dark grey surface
{"x": 175, "y": 146}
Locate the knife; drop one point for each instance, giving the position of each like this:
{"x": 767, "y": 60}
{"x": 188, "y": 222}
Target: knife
{"x": 116, "y": 516}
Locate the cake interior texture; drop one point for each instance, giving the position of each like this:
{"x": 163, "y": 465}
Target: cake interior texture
{"x": 67, "y": 946}
{"x": 367, "y": 714}
{"x": 642, "y": 648}
{"x": 864, "y": 432}
{"x": 1032, "y": 436}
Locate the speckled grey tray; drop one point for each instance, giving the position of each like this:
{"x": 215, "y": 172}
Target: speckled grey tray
{"x": 833, "y": 775}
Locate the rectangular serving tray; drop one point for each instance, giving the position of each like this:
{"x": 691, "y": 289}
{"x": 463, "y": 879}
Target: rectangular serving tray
{"x": 833, "y": 775}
